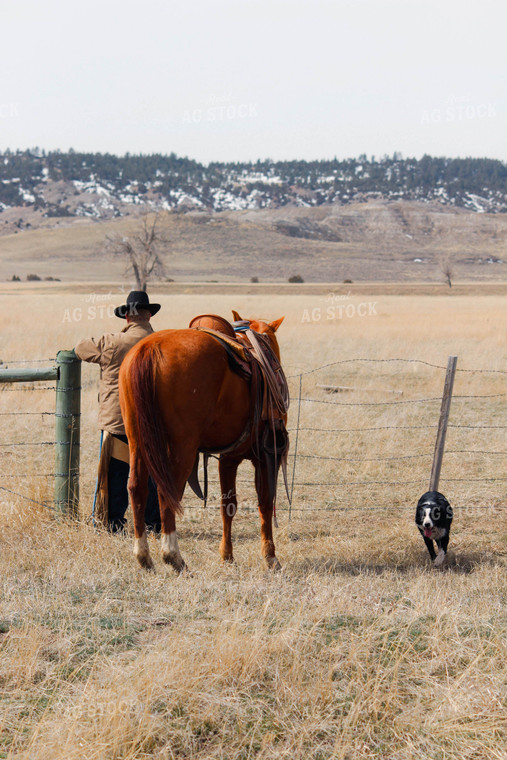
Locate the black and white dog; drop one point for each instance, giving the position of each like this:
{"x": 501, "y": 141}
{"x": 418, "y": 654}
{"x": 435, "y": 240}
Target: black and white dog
{"x": 433, "y": 517}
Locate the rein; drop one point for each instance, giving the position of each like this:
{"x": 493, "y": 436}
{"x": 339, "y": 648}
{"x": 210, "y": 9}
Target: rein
{"x": 277, "y": 383}
{"x": 278, "y": 398}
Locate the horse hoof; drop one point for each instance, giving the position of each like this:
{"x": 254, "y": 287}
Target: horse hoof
{"x": 273, "y": 564}
{"x": 228, "y": 560}
{"x": 176, "y": 562}
{"x": 146, "y": 563}
{"x": 142, "y": 552}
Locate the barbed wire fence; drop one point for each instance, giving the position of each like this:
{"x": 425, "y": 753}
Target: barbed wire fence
{"x": 317, "y": 487}
{"x": 314, "y": 484}
{"x": 9, "y": 472}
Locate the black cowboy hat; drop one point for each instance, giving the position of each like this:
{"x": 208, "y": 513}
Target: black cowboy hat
{"x": 136, "y": 301}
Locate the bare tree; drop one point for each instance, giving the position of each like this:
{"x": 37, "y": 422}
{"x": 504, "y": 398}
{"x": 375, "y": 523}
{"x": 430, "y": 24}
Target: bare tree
{"x": 445, "y": 264}
{"x": 141, "y": 250}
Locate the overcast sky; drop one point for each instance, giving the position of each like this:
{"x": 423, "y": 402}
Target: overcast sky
{"x": 229, "y": 80}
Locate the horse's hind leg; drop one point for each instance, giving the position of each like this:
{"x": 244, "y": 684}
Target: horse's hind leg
{"x": 227, "y": 469}
{"x": 266, "y": 512}
{"x": 138, "y": 490}
{"x": 168, "y": 506}
{"x": 169, "y": 540}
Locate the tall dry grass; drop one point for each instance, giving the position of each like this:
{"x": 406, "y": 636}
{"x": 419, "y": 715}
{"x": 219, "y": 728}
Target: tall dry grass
{"x": 358, "y": 649}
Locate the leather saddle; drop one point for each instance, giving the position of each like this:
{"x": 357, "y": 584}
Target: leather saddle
{"x": 239, "y": 357}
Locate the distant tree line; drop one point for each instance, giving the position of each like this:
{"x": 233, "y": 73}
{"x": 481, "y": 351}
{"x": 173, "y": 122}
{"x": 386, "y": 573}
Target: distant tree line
{"x": 275, "y": 182}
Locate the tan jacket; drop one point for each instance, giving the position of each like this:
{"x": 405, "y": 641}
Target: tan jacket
{"x": 109, "y": 352}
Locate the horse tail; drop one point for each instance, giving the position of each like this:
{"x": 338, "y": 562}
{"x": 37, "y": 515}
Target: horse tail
{"x": 151, "y": 433}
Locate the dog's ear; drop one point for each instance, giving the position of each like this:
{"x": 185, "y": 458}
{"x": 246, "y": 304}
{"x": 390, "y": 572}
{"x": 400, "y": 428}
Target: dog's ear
{"x": 442, "y": 501}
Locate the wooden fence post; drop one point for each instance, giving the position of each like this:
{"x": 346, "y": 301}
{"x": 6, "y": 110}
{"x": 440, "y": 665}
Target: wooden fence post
{"x": 68, "y": 413}
{"x": 442, "y": 423}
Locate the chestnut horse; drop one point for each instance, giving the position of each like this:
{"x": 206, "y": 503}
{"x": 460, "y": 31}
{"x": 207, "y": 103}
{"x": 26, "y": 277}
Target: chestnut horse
{"x": 179, "y": 396}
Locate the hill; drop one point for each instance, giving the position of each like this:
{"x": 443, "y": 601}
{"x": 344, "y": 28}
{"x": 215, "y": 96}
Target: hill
{"x": 361, "y": 219}
{"x": 103, "y": 186}
{"x": 374, "y": 241}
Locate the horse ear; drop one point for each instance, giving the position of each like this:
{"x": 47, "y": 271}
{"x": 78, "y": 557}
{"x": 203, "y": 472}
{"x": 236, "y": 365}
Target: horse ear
{"x": 236, "y": 316}
{"x": 276, "y": 324}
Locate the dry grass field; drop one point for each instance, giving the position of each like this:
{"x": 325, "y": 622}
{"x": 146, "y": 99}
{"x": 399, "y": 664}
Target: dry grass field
{"x": 378, "y": 240}
{"x": 358, "y": 649}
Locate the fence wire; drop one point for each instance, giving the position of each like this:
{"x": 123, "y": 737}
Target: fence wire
{"x": 45, "y": 504}
{"x": 387, "y": 361}
{"x": 29, "y": 388}
{"x": 375, "y": 484}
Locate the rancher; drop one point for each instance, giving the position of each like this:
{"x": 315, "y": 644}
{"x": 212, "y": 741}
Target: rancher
{"x": 109, "y": 352}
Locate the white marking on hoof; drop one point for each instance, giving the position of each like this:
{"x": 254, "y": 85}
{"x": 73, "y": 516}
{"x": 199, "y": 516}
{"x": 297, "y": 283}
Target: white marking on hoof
{"x": 171, "y": 551}
{"x": 142, "y": 552}
{"x": 439, "y": 559}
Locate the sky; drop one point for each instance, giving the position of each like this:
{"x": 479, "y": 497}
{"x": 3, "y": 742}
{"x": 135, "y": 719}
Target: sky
{"x": 241, "y": 80}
